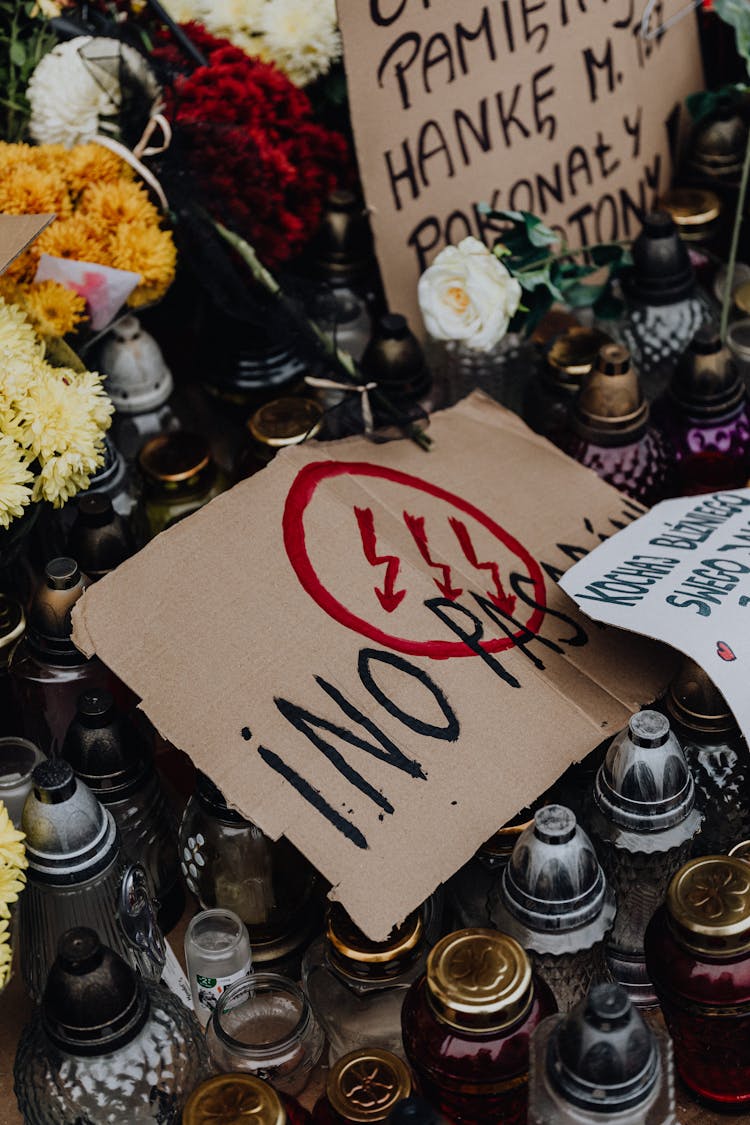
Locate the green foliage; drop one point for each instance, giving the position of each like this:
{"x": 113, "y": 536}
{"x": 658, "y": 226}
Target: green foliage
{"x": 25, "y": 36}
{"x": 737, "y": 14}
{"x": 705, "y": 102}
{"x": 548, "y": 271}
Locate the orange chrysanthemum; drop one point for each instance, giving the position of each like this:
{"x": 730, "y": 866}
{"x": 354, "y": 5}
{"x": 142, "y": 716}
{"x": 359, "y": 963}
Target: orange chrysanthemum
{"x": 26, "y": 190}
{"x": 53, "y": 309}
{"x": 150, "y": 252}
{"x": 120, "y": 202}
{"x": 77, "y": 238}
{"x": 93, "y": 164}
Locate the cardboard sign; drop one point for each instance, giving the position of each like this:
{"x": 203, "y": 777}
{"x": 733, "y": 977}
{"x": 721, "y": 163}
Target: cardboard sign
{"x": 681, "y": 574}
{"x": 17, "y": 232}
{"x": 557, "y": 107}
{"x": 366, "y": 649}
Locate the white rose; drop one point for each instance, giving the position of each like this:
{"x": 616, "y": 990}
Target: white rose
{"x": 467, "y": 294}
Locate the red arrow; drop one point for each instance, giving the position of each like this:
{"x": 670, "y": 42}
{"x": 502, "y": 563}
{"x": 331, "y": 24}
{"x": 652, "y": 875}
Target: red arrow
{"x": 388, "y": 597}
{"x": 415, "y": 525}
{"x": 503, "y": 601}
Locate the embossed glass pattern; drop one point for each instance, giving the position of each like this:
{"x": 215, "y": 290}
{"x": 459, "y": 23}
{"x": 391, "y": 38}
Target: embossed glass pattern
{"x": 146, "y": 1081}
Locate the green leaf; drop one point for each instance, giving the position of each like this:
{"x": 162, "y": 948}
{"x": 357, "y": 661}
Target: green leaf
{"x": 607, "y": 255}
{"x": 703, "y": 103}
{"x": 608, "y": 307}
{"x": 538, "y": 233}
{"x": 17, "y": 53}
{"x": 737, "y": 14}
{"x": 580, "y": 296}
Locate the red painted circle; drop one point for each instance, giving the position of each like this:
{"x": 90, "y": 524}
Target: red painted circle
{"x": 297, "y": 502}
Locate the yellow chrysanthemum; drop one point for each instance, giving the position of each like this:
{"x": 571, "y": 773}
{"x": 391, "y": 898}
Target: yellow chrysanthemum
{"x": 120, "y": 202}
{"x": 22, "y": 269}
{"x": 77, "y": 238}
{"x": 12, "y": 850}
{"x": 18, "y": 340}
{"x": 12, "y": 882}
{"x": 53, "y": 309}
{"x": 28, "y": 190}
{"x": 93, "y": 164}
{"x": 89, "y": 383}
{"x": 148, "y": 251}
{"x": 15, "y": 478}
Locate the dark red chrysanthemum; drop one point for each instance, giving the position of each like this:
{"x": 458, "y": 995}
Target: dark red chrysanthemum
{"x": 260, "y": 161}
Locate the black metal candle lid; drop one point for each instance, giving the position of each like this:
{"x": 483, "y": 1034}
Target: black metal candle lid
{"x": 662, "y": 273}
{"x": 94, "y": 1003}
{"x": 602, "y": 1056}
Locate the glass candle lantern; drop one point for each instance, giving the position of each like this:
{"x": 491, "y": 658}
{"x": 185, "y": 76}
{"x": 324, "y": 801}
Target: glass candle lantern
{"x": 698, "y": 956}
{"x": 18, "y": 757}
{"x": 611, "y": 432}
{"x": 47, "y": 670}
{"x": 274, "y": 426}
{"x": 555, "y": 901}
{"x": 471, "y": 891}
{"x": 179, "y": 477}
{"x": 467, "y": 1026}
{"x": 549, "y": 395}
{"x": 217, "y": 955}
{"x": 100, "y": 539}
{"x": 229, "y": 862}
{"x": 718, "y": 756}
{"x": 642, "y": 824}
{"x": 264, "y": 1025}
{"x": 112, "y": 757}
{"x": 704, "y": 418}
{"x": 227, "y": 1099}
{"x": 601, "y": 1063}
{"x": 362, "y": 1088}
{"x": 104, "y": 1046}
{"x": 357, "y": 986}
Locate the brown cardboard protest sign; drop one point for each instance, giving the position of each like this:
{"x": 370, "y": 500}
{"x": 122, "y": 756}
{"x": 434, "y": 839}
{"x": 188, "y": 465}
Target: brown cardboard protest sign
{"x": 558, "y": 107}
{"x": 17, "y": 232}
{"x": 366, "y": 649}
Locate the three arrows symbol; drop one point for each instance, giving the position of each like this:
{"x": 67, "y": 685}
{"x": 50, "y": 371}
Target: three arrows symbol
{"x": 390, "y": 598}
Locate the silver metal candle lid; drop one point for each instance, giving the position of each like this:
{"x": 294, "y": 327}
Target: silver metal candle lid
{"x": 554, "y": 885}
{"x": 644, "y": 784}
{"x": 70, "y": 836}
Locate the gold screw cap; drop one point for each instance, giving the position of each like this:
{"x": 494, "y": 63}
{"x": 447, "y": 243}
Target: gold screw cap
{"x": 709, "y": 902}
{"x": 479, "y": 980}
{"x": 349, "y": 941}
{"x": 230, "y": 1098}
{"x": 364, "y": 1086}
{"x": 286, "y": 421}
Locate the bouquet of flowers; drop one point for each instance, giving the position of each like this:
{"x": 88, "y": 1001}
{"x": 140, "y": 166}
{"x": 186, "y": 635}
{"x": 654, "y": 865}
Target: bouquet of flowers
{"x": 52, "y": 423}
{"x": 12, "y": 879}
{"x": 254, "y": 154}
{"x": 104, "y": 217}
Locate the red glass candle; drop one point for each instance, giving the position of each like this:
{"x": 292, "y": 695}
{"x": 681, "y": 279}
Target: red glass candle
{"x": 698, "y": 957}
{"x": 362, "y": 1088}
{"x": 467, "y": 1025}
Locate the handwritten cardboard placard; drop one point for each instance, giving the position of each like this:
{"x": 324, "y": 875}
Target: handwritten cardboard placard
{"x": 366, "y": 649}
{"x": 556, "y": 107}
{"x": 681, "y": 574}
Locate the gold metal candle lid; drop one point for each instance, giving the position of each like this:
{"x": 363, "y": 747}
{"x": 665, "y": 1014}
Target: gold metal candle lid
{"x": 610, "y": 407}
{"x": 286, "y": 421}
{"x": 696, "y": 703}
{"x": 691, "y": 208}
{"x": 364, "y": 1086}
{"x": 502, "y": 843}
{"x": 741, "y": 298}
{"x": 478, "y": 980}
{"x": 350, "y": 943}
{"x": 572, "y": 354}
{"x": 172, "y": 458}
{"x": 230, "y": 1098}
{"x": 709, "y": 901}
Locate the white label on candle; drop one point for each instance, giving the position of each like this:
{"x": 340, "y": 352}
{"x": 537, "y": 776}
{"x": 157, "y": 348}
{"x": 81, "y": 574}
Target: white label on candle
{"x": 174, "y": 978}
{"x": 207, "y": 990}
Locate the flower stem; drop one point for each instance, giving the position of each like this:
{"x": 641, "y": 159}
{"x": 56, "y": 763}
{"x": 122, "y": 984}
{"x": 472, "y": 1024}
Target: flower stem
{"x": 738, "y": 218}
{"x": 561, "y": 255}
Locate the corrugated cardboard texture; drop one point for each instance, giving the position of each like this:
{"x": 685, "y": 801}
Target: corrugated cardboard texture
{"x": 282, "y": 630}
{"x": 557, "y": 107}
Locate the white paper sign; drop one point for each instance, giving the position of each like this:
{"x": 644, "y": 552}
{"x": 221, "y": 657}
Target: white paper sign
{"x": 106, "y": 289}
{"x": 680, "y": 574}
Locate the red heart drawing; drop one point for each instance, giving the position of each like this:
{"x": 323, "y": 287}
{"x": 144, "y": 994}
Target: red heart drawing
{"x": 724, "y": 651}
